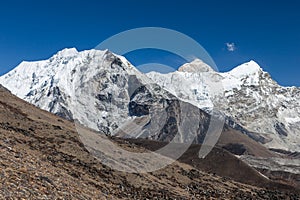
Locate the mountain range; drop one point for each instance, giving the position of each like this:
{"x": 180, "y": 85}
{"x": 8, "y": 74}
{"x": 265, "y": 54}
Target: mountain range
{"x": 103, "y": 91}
{"x": 257, "y": 119}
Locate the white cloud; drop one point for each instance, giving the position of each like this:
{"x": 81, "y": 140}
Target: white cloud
{"x": 230, "y": 46}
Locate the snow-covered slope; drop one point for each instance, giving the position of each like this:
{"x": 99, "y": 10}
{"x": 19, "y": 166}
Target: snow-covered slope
{"x": 249, "y": 96}
{"x": 103, "y": 91}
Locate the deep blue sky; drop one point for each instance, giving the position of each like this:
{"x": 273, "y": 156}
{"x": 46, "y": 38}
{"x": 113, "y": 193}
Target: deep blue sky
{"x": 265, "y": 31}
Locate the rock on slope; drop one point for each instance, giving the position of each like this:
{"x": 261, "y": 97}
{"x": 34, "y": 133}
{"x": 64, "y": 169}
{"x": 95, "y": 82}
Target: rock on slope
{"x": 42, "y": 158}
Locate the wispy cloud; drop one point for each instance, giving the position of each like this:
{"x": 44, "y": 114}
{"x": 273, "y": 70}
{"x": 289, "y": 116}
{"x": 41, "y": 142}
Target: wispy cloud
{"x": 230, "y": 46}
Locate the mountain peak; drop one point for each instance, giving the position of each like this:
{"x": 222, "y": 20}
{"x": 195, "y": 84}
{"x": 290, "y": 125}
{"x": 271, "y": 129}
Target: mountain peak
{"x": 246, "y": 69}
{"x": 67, "y": 52}
{"x": 196, "y": 65}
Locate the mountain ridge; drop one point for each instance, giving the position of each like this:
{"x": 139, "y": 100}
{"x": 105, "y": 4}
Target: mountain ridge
{"x": 249, "y": 96}
{"x": 242, "y": 93}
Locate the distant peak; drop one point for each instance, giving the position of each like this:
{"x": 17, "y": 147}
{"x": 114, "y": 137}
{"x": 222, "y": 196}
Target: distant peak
{"x": 247, "y": 68}
{"x": 68, "y": 52}
{"x": 196, "y": 65}
{"x": 253, "y": 64}
{"x": 250, "y": 65}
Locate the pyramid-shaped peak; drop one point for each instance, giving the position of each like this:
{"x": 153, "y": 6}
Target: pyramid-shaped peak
{"x": 245, "y": 69}
{"x": 196, "y": 65}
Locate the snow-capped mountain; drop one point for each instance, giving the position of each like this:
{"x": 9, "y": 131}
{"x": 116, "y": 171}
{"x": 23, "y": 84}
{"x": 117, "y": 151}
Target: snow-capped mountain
{"x": 248, "y": 96}
{"x": 103, "y": 91}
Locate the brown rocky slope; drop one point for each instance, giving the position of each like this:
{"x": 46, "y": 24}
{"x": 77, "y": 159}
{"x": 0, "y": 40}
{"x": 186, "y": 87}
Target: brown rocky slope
{"x": 41, "y": 157}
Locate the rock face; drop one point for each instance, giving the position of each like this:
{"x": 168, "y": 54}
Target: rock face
{"x": 105, "y": 92}
{"x": 253, "y": 102}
